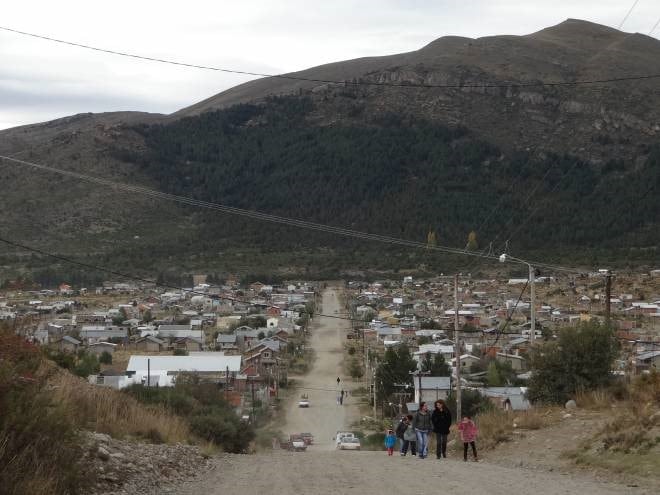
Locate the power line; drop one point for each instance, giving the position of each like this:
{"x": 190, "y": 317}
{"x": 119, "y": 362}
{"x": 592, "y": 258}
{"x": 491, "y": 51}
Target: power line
{"x": 332, "y": 81}
{"x": 625, "y": 18}
{"x": 655, "y": 26}
{"x": 266, "y": 217}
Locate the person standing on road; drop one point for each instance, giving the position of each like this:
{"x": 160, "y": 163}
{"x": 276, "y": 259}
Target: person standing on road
{"x": 400, "y": 430}
{"x": 441, "y": 419}
{"x": 390, "y": 442}
{"x": 422, "y": 424}
{"x": 409, "y": 437}
{"x": 469, "y": 433}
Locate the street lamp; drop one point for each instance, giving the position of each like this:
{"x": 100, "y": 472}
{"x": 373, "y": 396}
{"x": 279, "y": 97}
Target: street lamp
{"x": 532, "y": 279}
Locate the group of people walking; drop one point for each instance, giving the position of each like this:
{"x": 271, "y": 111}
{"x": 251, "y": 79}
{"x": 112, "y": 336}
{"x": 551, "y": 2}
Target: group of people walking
{"x": 414, "y": 432}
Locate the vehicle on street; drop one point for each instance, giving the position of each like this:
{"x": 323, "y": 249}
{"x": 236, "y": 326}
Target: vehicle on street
{"x": 308, "y": 438}
{"x": 298, "y": 444}
{"x": 304, "y": 401}
{"x": 343, "y": 434}
{"x": 349, "y": 443}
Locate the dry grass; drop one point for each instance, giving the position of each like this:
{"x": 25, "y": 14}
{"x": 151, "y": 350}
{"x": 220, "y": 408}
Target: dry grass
{"x": 597, "y": 400}
{"x": 109, "y": 411}
{"x": 498, "y": 426}
{"x": 630, "y": 442}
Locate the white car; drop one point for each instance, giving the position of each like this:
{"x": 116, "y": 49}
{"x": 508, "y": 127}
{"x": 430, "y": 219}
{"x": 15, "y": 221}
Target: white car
{"x": 303, "y": 402}
{"x": 349, "y": 443}
{"x": 341, "y": 435}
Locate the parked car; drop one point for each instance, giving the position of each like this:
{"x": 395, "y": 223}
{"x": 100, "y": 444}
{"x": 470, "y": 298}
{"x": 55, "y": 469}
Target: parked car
{"x": 308, "y": 438}
{"x": 304, "y": 401}
{"x": 298, "y": 444}
{"x": 349, "y": 443}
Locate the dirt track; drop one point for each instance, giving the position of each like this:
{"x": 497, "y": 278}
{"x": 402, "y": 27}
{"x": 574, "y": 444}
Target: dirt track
{"x": 322, "y": 470}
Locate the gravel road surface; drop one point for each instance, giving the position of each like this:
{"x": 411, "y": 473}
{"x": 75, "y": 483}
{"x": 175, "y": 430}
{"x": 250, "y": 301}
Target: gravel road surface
{"x": 323, "y": 470}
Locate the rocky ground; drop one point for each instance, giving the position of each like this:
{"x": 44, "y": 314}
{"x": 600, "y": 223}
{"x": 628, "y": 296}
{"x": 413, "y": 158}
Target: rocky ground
{"x": 127, "y": 467}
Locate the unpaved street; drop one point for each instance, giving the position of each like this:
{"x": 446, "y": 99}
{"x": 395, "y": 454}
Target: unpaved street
{"x": 323, "y": 470}
{"x": 324, "y": 417}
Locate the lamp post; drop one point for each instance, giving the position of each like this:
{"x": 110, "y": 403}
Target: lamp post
{"x": 532, "y": 283}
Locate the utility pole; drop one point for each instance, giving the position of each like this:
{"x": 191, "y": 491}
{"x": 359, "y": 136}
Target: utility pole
{"x": 457, "y": 351}
{"x": 227, "y": 384}
{"x": 251, "y": 378}
{"x": 374, "y": 386}
{"x": 608, "y": 297}
{"x": 532, "y": 304}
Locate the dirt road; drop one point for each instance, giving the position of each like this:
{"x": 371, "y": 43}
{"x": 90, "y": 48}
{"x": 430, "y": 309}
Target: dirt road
{"x": 324, "y": 416}
{"x": 322, "y": 470}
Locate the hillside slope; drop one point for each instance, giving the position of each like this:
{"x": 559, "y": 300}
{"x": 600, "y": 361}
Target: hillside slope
{"x": 592, "y": 121}
{"x": 566, "y": 172}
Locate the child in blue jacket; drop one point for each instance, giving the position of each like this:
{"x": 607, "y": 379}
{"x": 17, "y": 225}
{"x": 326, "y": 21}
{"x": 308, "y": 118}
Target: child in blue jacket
{"x": 390, "y": 441}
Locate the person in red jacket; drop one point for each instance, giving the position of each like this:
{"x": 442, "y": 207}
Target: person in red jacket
{"x": 468, "y": 431}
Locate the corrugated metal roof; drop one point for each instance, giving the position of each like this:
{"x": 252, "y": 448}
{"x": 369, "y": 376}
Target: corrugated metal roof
{"x": 205, "y": 363}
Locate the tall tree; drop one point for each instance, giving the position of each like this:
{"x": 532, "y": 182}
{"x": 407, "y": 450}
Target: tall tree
{"x": 435, "y": 365}
{"x": 580, "y": 359}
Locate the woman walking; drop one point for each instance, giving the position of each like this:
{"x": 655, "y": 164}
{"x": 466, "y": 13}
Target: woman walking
{"x": 422, "y": 424}
{"x": 441, "y": 419}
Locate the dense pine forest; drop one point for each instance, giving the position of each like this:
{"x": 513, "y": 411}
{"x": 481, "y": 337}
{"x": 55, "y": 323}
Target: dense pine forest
{"x": 399, "y": 176}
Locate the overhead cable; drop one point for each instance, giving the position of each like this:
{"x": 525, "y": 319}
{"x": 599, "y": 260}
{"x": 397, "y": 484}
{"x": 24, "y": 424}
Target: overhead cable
{"x": 269, "y": 217}
{"x": 292, "y": 77}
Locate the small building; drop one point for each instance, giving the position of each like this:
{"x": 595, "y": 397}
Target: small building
{"x": 150, "y": 343}
{"x": 69, "y": 344}
{"x": 99, "y": 348}
{"x": 517, "y": 363}
{"x": 433, "y": 388}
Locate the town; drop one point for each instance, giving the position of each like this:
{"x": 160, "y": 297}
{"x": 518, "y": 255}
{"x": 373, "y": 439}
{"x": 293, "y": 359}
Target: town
{"x": 248, "y": 339}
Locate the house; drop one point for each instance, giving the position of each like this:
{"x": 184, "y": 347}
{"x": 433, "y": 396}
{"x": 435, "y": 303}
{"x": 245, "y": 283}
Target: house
{"x": 69, "y": 344}
{"x": 99, "y": 333}
{"x": 518, "y": 363}
{"x": 164, "y": 369}
{"x": 150, "y": 344}
{"x": 179, "y": 332}
{"x": 509, "y": 398}
{"x": 187, "y": 343}
{"x": 648, "y": 360}
{"x": 467, "y": 360}
{"x": 225, "y": 342}
{"x": 432, "y": 388}
{"x": 261, "y": 358}
{"x": 99, "y": 348}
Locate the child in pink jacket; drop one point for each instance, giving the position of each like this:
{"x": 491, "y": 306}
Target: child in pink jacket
{"x": 468, "y": 431}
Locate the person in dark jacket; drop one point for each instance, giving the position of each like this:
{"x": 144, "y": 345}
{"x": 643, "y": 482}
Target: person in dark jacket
{"x": 441, "y": 419}
{"x": 422, "y": 424}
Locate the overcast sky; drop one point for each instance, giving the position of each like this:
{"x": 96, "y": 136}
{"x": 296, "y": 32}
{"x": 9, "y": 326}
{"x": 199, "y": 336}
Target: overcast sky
{"x": 41, "y": 80}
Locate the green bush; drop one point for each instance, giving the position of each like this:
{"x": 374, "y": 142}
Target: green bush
{"x": 203, "y": 405}
{"x": 105, "y": 358}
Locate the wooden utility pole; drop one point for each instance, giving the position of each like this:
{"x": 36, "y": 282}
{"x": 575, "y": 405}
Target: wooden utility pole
{"x": 457, "y": 351}
{"x": 374, "y": 386}
{"x": 227, "y": 384}
{"x": 532, "y": 305}
{"x": 608, "y": 297}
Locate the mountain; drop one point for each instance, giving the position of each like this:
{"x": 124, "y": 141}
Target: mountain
{"x": 567, "y": 172}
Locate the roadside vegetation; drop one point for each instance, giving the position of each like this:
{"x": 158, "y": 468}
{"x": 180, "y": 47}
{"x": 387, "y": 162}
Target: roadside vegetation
{"x": 629, "y": 442}
{"x": 44, "y": 411}
{"x": 202, "y": 407}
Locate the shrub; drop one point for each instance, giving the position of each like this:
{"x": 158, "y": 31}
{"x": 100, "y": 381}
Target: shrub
{"x": 105, "y": 358}
{"x": 36, "y": 431}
